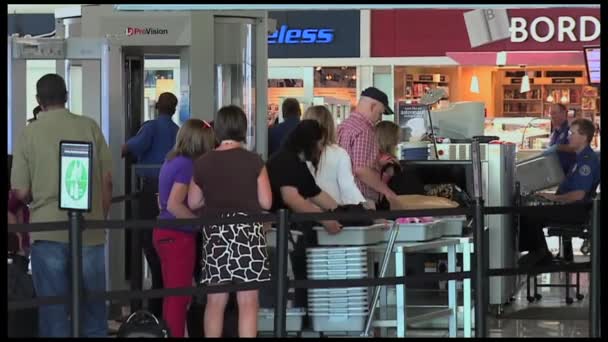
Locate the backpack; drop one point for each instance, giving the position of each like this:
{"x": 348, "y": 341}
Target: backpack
{"x": 143, "y": 324}
{"x": 20, "y": 286}
{"x": 353, "y": 208}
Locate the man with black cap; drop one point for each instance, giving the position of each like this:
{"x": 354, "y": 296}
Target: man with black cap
{"x": 356, "y": 135}
{"x": 150, "y": 146}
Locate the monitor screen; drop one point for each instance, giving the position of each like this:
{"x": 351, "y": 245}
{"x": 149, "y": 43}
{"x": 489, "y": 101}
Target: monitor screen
{"x": 75, "y": 175}
{"x": 592, "y": 62}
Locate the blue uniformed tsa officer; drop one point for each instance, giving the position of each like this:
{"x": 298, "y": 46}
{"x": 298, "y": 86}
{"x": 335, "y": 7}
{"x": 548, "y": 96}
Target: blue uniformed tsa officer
{"x": 150, "y": 146}
{"x": 559, "y": 140}
{"x": 582, "y": 180}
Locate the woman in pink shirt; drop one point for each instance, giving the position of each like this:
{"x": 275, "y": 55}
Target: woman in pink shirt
{"x": 18, "y": 212}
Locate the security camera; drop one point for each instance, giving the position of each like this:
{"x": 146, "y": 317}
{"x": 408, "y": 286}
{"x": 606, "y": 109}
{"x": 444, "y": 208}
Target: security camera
{"x": 271, "y": 25}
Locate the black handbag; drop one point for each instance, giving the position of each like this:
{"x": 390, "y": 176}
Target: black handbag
{"x": 143, "y": 324}
{"x": 20, "y": 286}
{"x": 353, "y": 208}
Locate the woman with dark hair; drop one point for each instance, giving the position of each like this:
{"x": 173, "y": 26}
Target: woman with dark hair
{"x": 294, "y": 187}
{"x": 35, "y": 112}
{"x": 334, "y": 173}
{"x": 231, "y": 182}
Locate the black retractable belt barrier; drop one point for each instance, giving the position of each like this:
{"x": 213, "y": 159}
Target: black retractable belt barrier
{"x": 124, "y": 296}
{"x": 480, "y": 274}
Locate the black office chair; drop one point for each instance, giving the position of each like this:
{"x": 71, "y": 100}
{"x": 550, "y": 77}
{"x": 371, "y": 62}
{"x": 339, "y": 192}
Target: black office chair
{"x": 565, "y": 232}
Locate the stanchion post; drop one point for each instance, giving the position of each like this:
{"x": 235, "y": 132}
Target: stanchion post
{"x": 136, "y": 258}
{"x": 481, "y": 283}
{"x": 282, "y": 280}
{"x": 595, "y": 300}
{"x": 75, "y": 218}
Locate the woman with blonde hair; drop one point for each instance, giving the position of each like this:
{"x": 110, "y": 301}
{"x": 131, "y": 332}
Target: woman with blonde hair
{"x": 387, "y": 136}
{"x": 334, "y": 173}
{"x": 176, "y": 246}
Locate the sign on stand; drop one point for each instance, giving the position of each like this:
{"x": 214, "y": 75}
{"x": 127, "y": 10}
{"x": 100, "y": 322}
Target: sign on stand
{"x": 413, "y": 120}
{"x": 75, "y": 175}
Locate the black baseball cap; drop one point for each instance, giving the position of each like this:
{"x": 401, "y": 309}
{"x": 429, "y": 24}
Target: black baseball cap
{"x": 380, "y": 96}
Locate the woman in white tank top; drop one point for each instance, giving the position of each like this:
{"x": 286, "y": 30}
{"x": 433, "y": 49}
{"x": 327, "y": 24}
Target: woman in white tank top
{"x": 334, "y": 173}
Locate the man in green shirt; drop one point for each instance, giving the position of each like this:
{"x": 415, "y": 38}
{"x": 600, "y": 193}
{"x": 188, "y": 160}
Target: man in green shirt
{"x": 34, "y": 178}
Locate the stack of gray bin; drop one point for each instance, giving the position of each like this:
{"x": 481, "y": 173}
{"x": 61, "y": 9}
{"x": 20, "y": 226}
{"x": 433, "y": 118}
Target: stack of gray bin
{"x": 295, "y": 316}
{"x": 337, "y": 309}
{"x": 342, "y": 256}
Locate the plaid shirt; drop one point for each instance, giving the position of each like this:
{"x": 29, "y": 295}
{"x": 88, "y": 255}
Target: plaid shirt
{"x": 356, "y": 135}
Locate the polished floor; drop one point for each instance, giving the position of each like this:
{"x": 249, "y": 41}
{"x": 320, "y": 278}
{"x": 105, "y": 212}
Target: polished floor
{"x": 558, "y": 319}
{"x": 547, "y": 317}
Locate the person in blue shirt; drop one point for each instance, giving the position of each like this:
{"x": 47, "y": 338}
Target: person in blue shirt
{"x": 559, "y": 139}
{"x": 150, "y": 147}
{"x": 291, "y": 118}
{"x": 155, "y": 137}
{"x": 580, "y": 184}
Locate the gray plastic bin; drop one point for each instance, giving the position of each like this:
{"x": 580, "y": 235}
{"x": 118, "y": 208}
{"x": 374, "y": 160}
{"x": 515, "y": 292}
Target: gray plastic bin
{"x": 352, "y": 236}
{"x": 410, "y": 232}
{"x": 338, "y": 322}
{"x": 452, "y": 225}
{"x": 293, "y": 320}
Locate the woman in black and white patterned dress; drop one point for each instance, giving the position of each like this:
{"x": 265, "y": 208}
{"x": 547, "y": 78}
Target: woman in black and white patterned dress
{"x": 230, "y": 182}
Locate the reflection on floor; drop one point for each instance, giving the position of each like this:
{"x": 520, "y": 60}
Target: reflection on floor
{"x": 546, "y": 320}
{"x": 547, "y": 326}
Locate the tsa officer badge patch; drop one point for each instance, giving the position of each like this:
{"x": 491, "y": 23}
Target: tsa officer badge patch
{"x": 585, "y": 170}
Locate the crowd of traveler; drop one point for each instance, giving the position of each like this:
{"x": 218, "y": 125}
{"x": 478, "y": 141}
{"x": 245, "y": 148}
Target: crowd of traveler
{"x": 205, "y": 170}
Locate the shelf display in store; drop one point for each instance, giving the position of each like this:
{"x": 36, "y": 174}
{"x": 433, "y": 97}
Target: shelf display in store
{"x": 525, "y": 132}
{"x": 417, "y": 85}
{"x": 517, "y": 103}
{"x": 548, "y": 85}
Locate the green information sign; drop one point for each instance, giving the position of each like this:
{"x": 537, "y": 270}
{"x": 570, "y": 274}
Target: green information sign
{"x": 77, "y": 180}
{"x": 75, "y": 176}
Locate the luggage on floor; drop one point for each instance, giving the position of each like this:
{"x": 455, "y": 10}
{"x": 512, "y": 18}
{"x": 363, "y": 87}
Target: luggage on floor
{"x": 24, "y": 322}
{"x": 143, "y": 324}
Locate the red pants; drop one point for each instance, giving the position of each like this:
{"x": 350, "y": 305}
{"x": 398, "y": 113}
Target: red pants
{"x": 176, "y": 251}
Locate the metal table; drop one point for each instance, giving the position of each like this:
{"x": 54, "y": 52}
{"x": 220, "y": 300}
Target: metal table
{"x": 418, "y": 313}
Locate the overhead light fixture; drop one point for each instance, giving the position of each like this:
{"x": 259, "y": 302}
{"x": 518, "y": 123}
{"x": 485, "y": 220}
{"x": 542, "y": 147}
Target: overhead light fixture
{"x": 501, "y": 58}
{"x": 550, "y": 98}
{"x": 474, "y": 84}
{"x": 564, "y": 99}
{"x": 318, "y": 68}
{"x": 525, "y": 84}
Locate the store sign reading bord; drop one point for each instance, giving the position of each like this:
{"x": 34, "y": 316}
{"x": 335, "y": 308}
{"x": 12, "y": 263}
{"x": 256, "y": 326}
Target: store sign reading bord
{"x": 136, "y": 31}
{"x": 301, "y": 36}
{"x": 565, "y": 26}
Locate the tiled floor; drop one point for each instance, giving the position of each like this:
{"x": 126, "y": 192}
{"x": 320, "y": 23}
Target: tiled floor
{"x": 541, "y": 327}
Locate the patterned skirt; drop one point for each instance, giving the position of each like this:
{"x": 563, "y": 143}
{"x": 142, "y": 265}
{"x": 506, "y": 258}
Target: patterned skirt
{"x": 234, "y": 253}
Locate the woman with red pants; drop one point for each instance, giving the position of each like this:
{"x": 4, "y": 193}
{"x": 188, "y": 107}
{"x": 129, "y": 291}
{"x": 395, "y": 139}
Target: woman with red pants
{"x": 176, "y": 246}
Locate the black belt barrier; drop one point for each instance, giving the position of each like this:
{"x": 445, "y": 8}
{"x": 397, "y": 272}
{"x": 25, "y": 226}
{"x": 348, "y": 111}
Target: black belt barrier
{"x": 480, "y": 273}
